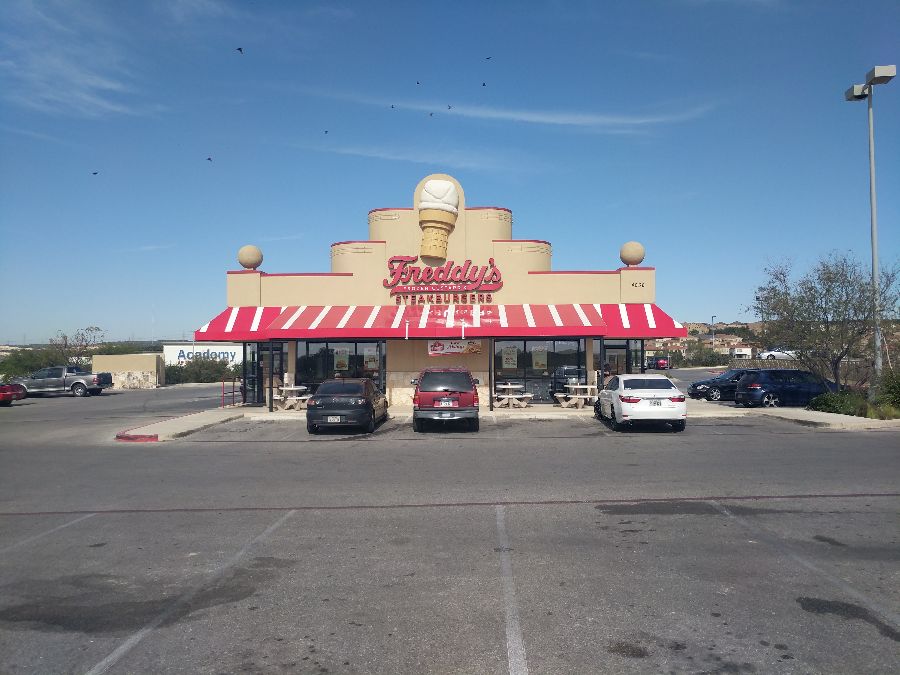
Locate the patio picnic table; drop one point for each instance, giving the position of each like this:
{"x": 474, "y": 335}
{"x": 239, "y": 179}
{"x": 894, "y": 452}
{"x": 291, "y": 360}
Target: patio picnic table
{"x": 577, "y": 395}
{"x": 510, "y": 396}
{"x": 293, "y": 397}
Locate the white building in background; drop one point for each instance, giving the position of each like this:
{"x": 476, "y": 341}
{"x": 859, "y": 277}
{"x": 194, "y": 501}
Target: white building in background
{"x": 180, "y": 353}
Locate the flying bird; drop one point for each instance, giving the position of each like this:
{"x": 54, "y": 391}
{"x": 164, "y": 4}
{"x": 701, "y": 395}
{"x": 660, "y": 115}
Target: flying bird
{"x": 417, "y": 82}
{"x": 392, "y": 106}
{"x": 449, "y": 107}
{"x": 240, "y": 49}
{"x": 487, "y": 58}
{"x": 431, "y": 114}
{"x": 326, "y": 131}
{"x": 209, "y": 159}
{"x": 94, "y": 173}
{"x": 484, "y": 84}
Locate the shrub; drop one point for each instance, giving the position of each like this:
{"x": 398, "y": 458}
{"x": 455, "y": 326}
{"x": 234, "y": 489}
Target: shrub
{"x": 842, "y": 403}
{"x": 854, "y": 403}
{"x": 890, "y": 388}
{"x": 201, "y": 370}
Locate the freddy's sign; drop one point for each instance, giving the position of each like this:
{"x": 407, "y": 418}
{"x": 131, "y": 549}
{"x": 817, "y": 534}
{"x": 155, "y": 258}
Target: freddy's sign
{"x": 406, "y": 277}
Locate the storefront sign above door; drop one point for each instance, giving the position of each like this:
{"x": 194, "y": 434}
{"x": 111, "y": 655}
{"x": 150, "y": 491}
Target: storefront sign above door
{"x": 405, "y": 277}
{"x": 441, "y": 347}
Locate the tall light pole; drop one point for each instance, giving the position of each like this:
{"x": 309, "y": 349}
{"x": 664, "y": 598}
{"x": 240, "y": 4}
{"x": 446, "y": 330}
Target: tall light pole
{"x": 858, "y": 92}
{"x": 713, "y": 325}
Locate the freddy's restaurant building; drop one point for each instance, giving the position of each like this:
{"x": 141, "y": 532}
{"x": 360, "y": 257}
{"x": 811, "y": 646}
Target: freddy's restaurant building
{"x": 440, "y": 283}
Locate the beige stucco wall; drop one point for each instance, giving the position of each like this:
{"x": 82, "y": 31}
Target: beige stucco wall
{"x": 358, "y": 268}
{"x": 407, "y": 358}
{"x": 132, "y": 371}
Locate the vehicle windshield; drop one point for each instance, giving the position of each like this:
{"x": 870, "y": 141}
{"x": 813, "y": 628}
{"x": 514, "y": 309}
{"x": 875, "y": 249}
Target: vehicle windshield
{"x": 640, "y": 383}
{"x": 728, "y": 374}
{"x": 450, "y": 381}
{"x": 332, "y": 388}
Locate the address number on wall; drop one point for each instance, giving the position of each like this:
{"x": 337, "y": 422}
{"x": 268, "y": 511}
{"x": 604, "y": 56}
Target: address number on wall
{"x": 637, "y": 284}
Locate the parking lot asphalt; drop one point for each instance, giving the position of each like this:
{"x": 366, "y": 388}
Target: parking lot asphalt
{"x": 544, "y": 546}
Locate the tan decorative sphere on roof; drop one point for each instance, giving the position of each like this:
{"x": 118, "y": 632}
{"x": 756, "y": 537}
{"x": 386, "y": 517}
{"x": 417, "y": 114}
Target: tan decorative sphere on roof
{"x": 250, "y": 257}
{"x": 632, "y": 253}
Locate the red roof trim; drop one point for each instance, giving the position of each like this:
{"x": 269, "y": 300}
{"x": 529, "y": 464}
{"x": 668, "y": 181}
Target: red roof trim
{"x": 360, "y": 241}
{"x": 311, "y": 274}
{"x": 526, "y": 241}
{"x": 573, "y": 272}
{"x": 485, "y": 208}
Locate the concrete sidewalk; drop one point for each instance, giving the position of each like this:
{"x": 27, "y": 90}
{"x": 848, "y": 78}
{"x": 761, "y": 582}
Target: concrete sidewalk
{"x": 178, "y": 427}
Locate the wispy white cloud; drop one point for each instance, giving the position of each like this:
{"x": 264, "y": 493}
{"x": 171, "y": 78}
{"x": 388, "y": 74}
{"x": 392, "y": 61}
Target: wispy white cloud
{"x": 65, "y": 59}
{"x": 147, "y": 248}
{"x": 289, "y": 237}
{"x": 188, "y": 10}
{"x": 36, "y": 135}
{"x": 454, "y": 158}
{"x": 605, "y": 123}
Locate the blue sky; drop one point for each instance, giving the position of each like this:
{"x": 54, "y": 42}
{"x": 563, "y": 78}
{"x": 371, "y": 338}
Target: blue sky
{"x": 713, "y": 131}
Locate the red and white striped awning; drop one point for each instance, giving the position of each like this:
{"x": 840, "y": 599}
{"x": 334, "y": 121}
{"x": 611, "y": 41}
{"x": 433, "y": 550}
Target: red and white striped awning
{"x": 239, "y": 324}
{"x": 359, "y": 322}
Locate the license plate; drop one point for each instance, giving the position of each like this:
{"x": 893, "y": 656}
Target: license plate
{"x": 333, "y": 419}
{"x": 655, "y": 401}
{"x": 446, "y": 404}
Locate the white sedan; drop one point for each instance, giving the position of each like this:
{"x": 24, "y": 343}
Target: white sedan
{"x": 641, "y": 398}
{"x": 777, "y": 353}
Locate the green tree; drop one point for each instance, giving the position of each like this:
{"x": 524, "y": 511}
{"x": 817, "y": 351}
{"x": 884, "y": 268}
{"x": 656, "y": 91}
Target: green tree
{"x": 827, "y": 314}
{"x": 23, "y": 362}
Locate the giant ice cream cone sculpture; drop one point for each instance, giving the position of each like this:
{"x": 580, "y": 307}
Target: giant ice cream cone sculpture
{"x": 438, "y": 209}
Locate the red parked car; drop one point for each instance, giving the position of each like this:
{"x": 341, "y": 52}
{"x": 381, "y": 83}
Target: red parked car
{"x": 10, "y": 393}
{"x": 445, "y": 394}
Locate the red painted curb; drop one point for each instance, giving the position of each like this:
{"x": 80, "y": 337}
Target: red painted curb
{"x": 137, "y": 438}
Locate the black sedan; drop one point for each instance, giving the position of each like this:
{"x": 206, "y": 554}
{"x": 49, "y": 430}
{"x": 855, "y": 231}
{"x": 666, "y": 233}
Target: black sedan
{"x": 719, "y": 388}
{"x": 346, "y": 402}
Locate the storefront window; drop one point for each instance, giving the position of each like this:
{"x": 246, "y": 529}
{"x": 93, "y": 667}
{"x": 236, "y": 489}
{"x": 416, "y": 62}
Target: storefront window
{"x": 542, "y": 367}
{"x": 319, "y": 361}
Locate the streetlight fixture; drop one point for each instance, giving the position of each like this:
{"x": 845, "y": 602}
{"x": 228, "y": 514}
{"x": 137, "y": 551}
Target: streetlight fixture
{"x": 859, "y": 92}
{"x": 713, "y": 326}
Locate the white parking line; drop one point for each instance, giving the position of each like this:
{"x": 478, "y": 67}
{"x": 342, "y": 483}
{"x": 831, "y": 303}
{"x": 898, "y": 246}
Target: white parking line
{"x": 184, "y": 599}
{"x": 44, "y": 534}
{"x": 515, "y": 647}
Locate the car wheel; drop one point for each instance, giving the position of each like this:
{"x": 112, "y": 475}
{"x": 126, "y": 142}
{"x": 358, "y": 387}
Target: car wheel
{"x": 678, "y": 425}
{"x": 770, "y": 357}
{"x": 417, "y": 425}
{"x": 474, "y": 425}
{"x": 614, "y": 422}
{"x": 370, "y": 427}
{"x": 714, "y": 394}
{"x": 312, "y": 429}
{"x": 770, "y": 400}
{"x": 79, "y": 389}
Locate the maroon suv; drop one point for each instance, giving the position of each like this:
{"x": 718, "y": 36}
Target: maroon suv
{"x": 444, "y": 394}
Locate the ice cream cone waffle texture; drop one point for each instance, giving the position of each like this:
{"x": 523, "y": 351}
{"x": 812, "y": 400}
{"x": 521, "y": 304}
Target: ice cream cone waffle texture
{"x": 438, "y": 210}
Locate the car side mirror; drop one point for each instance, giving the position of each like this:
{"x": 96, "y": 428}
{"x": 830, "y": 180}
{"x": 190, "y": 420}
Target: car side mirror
{"x": 414, "y": 381}
{"x": 476, "y": 382}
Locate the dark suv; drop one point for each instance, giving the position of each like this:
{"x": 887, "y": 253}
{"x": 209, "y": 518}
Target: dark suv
{"x": 444, "y": 394}
{"x": 777, "y": 387}
{"x": 719, "y": 388}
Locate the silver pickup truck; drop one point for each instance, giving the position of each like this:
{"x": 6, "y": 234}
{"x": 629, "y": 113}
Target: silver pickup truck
{"x": 61, "y": 379}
